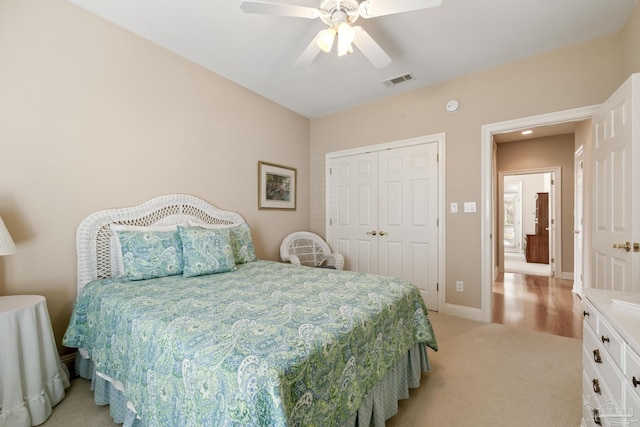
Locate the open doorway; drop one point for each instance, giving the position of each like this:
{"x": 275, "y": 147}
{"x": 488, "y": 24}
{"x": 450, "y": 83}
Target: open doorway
{"x": 528, "y": 223}
{"x": 489, "y": 190}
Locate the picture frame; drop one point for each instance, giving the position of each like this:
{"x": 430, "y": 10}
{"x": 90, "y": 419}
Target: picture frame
{"x": 277, "y": 186}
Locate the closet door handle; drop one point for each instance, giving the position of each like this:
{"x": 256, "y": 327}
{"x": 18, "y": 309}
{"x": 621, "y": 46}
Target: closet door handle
{"x": 372, "y": 233}
{"x": 604, "y": 339}
{"x": 626, "y": 246}
{"x": 382, "y": 233}
{"x": 596, "y": 386}
{"x": 635, "y": 382}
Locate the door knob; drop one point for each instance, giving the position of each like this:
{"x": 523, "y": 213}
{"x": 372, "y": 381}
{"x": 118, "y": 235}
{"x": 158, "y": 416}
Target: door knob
{"x": 626, "y": 246}
{"x": 382, "y": 233}
{"x": 576, "y": 231}
{"x": 372, "y": 233}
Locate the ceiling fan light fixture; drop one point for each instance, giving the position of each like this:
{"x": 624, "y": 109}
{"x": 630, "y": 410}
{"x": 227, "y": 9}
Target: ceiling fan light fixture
{"x": 325, "y": 39}
{"x": 346, "y": 35}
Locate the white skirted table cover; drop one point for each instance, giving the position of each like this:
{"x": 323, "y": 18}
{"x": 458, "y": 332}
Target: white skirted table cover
{"x": 32, "y": 377}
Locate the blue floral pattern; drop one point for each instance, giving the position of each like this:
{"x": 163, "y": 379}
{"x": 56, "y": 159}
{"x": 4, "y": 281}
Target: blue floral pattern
{"x": 150, "y": 254}
{"x": 242, "y": 244}
{"x": 206, "y": 251}
{"x": 270, "y": 344}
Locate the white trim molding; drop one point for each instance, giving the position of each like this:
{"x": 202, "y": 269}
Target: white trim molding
{"x": 488, "y": 189}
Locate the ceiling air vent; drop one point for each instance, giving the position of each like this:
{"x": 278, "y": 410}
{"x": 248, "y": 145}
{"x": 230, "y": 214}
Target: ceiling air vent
{"x": 397, "y": 80}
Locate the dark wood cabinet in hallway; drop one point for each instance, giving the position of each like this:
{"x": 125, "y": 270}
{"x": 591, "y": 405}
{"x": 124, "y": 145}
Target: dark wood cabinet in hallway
{"x": 540, "y": 303}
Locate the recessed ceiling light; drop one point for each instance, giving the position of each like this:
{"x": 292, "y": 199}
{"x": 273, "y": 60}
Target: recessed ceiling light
{"x": 527, "y": 132}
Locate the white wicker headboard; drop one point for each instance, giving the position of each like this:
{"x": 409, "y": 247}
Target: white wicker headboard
{"x": 93, "y": 237}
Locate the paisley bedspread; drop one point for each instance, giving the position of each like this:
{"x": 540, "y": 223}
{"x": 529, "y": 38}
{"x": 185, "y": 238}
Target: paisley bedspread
{"x": 270, "y": 344}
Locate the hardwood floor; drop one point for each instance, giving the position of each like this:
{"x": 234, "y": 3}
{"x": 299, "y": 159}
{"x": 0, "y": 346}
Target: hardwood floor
{"x": 544, "y": 304}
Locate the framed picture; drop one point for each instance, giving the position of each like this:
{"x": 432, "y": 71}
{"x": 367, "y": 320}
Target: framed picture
{"x": 276, "y": 186}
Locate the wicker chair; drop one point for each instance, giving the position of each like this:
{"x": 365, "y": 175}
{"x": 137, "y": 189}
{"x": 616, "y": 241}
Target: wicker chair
{"x": 305, "y": 248}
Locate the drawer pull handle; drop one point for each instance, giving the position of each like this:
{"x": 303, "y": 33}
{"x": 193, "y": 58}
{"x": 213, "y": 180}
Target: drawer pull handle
{"x": 635, "y": 382}
{"x": 596, "y": 356}
{"x": 604, "y": 339}
{"x": 585, "y": 314}
{"x": 596, "y": 386}
{"x": 596, "y": 417}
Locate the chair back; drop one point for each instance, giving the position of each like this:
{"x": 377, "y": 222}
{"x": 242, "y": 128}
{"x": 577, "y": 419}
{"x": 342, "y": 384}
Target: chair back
{"x": 310, "y": 248}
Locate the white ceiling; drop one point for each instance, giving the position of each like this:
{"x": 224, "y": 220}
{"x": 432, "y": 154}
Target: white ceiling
{"x": 457, "y": 38}
{"x": 536, "y": 132}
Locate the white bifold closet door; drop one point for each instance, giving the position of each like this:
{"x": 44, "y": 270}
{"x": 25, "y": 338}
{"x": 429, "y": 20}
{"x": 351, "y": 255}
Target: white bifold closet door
{"x": 382, "y": 209}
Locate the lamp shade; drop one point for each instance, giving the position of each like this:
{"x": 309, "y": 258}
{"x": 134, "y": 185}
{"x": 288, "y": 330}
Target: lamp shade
{"x": 325, "y": 39}
{"x": 7, "y": 247}
{"x": 346, "y": 35}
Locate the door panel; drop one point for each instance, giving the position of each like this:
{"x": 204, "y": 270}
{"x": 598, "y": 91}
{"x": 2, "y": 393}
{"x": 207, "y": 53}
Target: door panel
{"x": 578, "y": 232}
{"x": 408, "y": 216}
{"x": 616, "y": 190}
{"x": 353, "y": 189}
{"x": 394, "y": 194}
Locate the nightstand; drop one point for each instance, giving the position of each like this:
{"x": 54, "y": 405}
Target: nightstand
{"x": 32, "y": 377}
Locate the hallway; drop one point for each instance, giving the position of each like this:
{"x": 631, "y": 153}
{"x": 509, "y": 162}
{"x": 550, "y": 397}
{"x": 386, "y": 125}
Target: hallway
{"x": 543, "y": 304}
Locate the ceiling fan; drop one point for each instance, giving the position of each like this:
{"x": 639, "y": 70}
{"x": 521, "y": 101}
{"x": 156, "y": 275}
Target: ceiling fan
{"x": 339, "y": 15}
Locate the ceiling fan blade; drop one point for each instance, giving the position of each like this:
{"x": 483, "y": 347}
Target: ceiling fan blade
{"x": 370, "y": 49}
{"x": 309, "y": 54}
{"x": 280, "y": 9}
{"x": 374, "y": 8}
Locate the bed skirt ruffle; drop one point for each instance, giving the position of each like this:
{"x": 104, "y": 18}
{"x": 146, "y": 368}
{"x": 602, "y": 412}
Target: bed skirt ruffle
{"x": 378, "y": 406}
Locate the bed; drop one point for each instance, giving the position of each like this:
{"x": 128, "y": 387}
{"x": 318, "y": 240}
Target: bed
{"x": 193, "y": 330}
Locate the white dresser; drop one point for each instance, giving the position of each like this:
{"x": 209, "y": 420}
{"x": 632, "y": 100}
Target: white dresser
{"x": 610, "y": 360}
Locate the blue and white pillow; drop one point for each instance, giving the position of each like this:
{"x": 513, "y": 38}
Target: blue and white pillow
{"x": 150, "y": 254}
{"x": 241, "y": 240}
{"x": 206, "y": 251}
{"x": 117, "y": 269}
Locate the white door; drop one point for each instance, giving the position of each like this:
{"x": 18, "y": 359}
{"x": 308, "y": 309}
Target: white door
{"x": 408, "y": 209}
{"x": 382, "y": 209}
{"x": 578, "y": 243}
{"x": 550, "y": 183}
{"x": 512, "y": 218}
{"x": 616, "y": 221}
{"x": 353, "y": 210}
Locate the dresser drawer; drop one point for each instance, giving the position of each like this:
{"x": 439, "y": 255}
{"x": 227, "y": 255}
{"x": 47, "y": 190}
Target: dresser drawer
{"x": 594, "y": 355}
{"x": 590, "y": 315}
{"x": 632, "y": 373}
{"x": 611, "y": 341}
{"x": 594, "y": 385}
{"x": 632, "y": 408}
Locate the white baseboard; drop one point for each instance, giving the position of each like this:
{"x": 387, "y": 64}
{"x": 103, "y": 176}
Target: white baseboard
{"x": 464, "y": 312}
{"x": 566, "y": 275}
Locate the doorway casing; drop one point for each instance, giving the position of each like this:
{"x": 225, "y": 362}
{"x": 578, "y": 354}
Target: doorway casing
{"x": 489, "y": 189}
{"x": 555, "y": 230}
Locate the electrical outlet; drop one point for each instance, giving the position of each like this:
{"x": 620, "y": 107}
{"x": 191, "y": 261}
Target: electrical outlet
{"x": 459, "y": 286}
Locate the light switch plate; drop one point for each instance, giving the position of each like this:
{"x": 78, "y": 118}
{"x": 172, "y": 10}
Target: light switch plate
{"x": 454, "y": 207}
{"x": 469, "y": 207}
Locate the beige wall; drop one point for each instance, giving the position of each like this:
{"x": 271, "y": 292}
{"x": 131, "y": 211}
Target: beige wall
{"x": 576, "y": 76}
{"x": 631, "y": 44}
{"x": 92, "y": 117}
{"x": 546, "y": 153}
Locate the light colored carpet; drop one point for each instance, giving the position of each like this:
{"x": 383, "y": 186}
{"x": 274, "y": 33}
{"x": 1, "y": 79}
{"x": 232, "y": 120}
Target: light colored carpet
{"x": 484, "y": 374}
{"x": 517, "y": 263}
